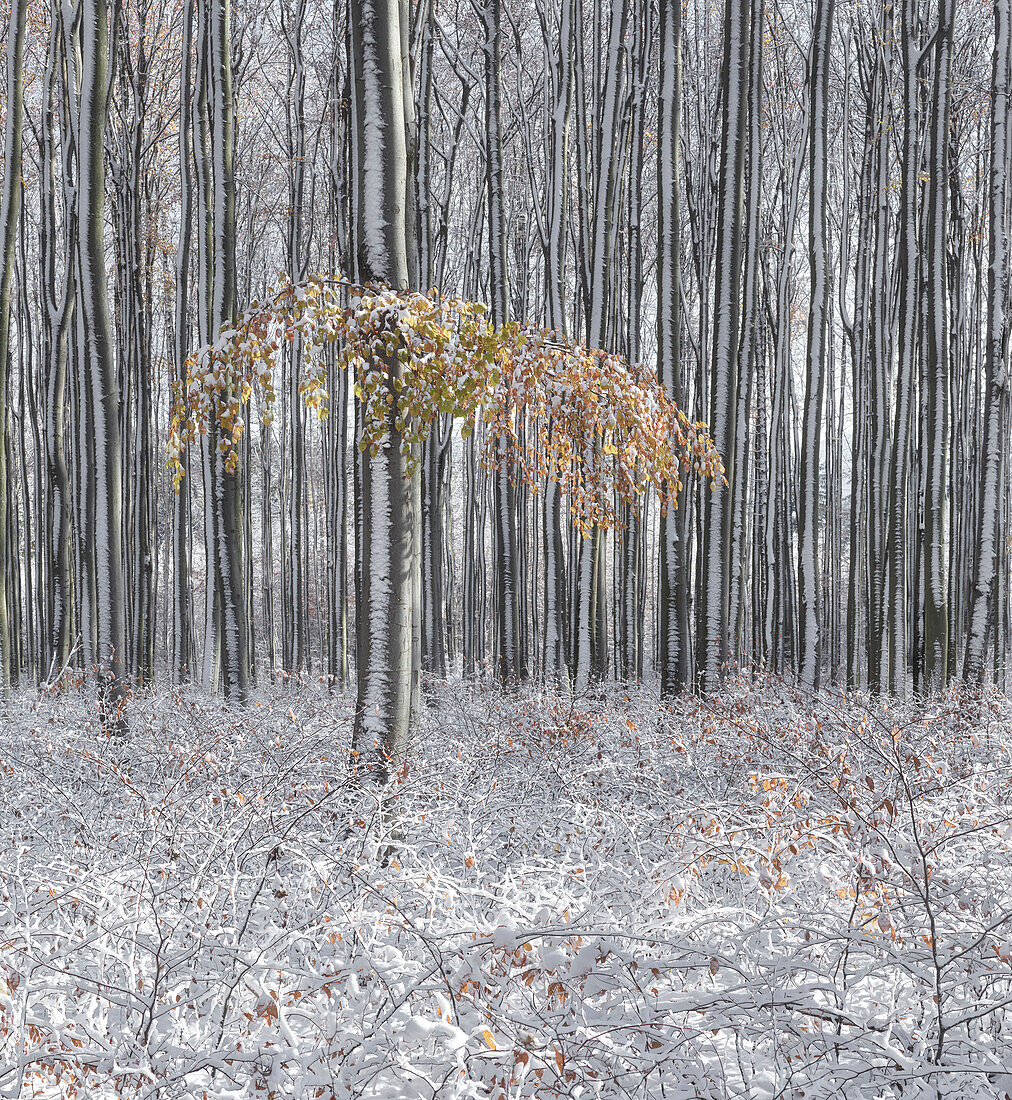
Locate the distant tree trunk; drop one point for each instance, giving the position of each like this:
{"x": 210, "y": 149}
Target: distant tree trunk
{"x": 10, "y": 206}
{"x": 558, "y": 109}
{"x": 810, "y": 572}
{"x": 714, "y": 582}
{"x": 590, "y": 633}
{"x": 510, "y": 664}
{"x": 296, "y": 647}
{"x": 856, "y": 327}
{"x": 336, "y": 433}
{"x": 204, "y": 202}
{"x": 182, "y": 656}
{"x": 104, "y": 477}
{"x": 435, "y": 458}
{"x": 437, "y": 448}
{"x": 59, "y": 321}
{"x": 880, "y": 348}
{"x": 897, "y": 536}
{"x": 936, "y": 430}
{"x": 133, "y": 324}
{"x": 674, "y": 635}
{"x": 630, "y": 581}
{"x": 983, "y": 604}
{"x": 739, "y": 562}
{"x": 223, "y": 487}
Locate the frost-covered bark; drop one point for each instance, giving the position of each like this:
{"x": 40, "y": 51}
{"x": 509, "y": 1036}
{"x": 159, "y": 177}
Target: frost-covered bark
{"x": 437, "y": 449}
{"x": 226, "y": 625}
{"x": 384, "y": 501}
{"x": 935, "y": 433}
{"x": 739, "y": 649}
{"x": 99, "y": 382}
{"x": 590, "y": 629}
{"x": 59, "y": 307}
{"x": 475, "y": 590}
{"x": 674, "y": 640}
{"x": 558, "y": 110}
{"x": 880, "y": 342}
{"x": 129, "y": 164}
{"x": 434, "y": 473}
{"x": 181, "y": 650}
{"x": 809, "y": 567}
{"x": 10, "y": 205}
{"x": 630, "y": 544}
{"x": 558, "y": 40}
{"x": 511, "y": 664}
{"x": 897, "y": 537}
{"x": 714, "y": 581}
{"x": 295, "y": 561}
{"x": 983, "y": 610}
{"x": 855, "y": 325}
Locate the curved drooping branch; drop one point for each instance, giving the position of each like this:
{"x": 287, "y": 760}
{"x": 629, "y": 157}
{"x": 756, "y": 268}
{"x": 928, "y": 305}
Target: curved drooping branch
{"x": 603, "y": 428}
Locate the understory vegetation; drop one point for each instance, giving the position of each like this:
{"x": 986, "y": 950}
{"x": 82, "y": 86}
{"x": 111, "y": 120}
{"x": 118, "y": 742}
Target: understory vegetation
{"x": 757, "y": 893}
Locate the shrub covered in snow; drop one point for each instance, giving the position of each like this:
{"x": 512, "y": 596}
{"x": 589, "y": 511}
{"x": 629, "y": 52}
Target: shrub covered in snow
{"x": 750, "y": 895}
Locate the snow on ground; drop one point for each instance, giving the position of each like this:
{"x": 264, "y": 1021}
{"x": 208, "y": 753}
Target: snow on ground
{"x": 757, "y": 895}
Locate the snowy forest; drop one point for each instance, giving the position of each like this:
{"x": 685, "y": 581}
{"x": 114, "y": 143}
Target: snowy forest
{"x": 505, "y": 543}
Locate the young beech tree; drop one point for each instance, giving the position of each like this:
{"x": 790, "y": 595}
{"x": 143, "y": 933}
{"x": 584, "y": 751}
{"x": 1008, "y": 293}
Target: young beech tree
{"x": 599, "y": 428}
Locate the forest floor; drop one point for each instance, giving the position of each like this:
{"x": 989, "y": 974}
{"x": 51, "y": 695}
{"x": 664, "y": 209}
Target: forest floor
{"x": 757, "y": 894}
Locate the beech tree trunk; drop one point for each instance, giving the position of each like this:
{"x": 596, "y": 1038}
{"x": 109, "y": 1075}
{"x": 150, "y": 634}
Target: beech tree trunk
{"x": 10, "y": 206}
{"x": 983, "y": 603}
{"x": 384, "y": 520}
{"x": 712, "y": 641}
{"x": 810, "y": 572}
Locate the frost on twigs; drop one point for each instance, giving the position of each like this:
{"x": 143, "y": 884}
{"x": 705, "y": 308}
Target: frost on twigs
{"x": 760, "y": 895}
{"x": 603, "y": 428}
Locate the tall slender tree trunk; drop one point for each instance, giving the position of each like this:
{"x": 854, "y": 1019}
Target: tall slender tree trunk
{"x": 222, "y": 487}
{"x": 714, "y": 583}
{"x": 737, "y": 604}
{"x": 983, "y": 603}
{"x": 673, "y": 627}
{"x": 936, "y": 430}
{"x": 437, "y": 448}
{"x": 295, "y": 563}
{"x": 10, "y": 206}
{"x": 182, "y": 656}
{"x": 880, "y": 348}
{"x": 630, "y": 581}
{"x": 58, "y": 317}
{"x": 590, "y": 630}
{"x": 897, "y": 535}
{"x": 510, "y": 663}
{"x": 558, "y": 110}
{"x": 857, "y": 327}
{"x": 104, "y": 479}
{"x": 810, "y": 571}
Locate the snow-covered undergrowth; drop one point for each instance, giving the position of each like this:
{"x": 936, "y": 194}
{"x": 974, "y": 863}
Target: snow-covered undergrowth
{"x": 755, "y": 895}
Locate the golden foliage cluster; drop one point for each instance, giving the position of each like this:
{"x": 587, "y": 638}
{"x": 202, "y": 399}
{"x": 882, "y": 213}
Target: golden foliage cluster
{"x": 548, "y": 408}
